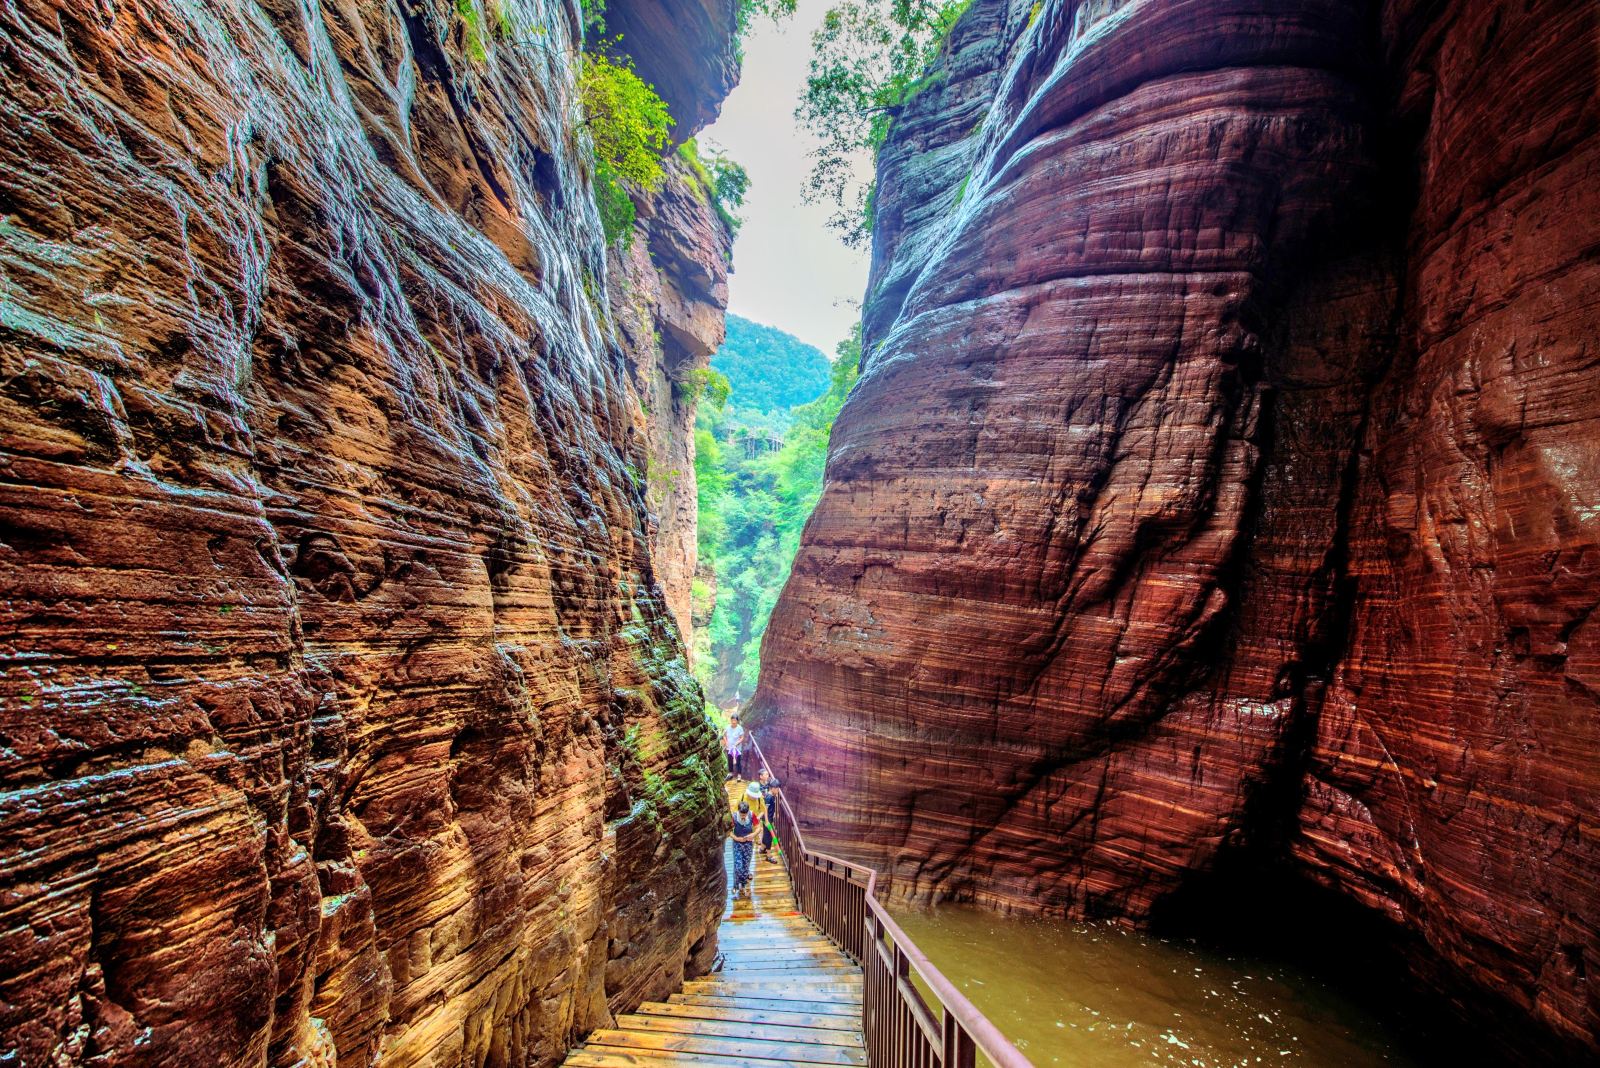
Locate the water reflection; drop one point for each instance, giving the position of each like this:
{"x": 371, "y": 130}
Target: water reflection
{"x": 1098, "y": 994}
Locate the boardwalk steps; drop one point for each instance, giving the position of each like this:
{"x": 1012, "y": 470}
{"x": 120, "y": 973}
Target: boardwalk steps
{"x": 785, "y": 995}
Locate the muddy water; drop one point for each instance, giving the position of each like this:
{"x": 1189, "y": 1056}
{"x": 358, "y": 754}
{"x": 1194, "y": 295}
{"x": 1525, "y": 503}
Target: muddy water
{"x": 1090, "y": 994}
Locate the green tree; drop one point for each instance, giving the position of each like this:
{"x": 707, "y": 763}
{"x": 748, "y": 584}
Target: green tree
{"x": 798, "y": 466}
{"x": 711, "y": 481}
{"x": 869, "y": 58}
{"x": 750, "y": 10}
{"x": 724, "y": 180}
{"x": 706, "y": 384}
{"x": 628, "y": 126}
{"x": 729, "y": 181}
{"x": 768, "y": 369}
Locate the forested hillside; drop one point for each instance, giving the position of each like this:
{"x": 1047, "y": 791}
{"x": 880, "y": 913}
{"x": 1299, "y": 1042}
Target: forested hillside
{"x": 770, "y": 370}
{"x": 759, "y": 457}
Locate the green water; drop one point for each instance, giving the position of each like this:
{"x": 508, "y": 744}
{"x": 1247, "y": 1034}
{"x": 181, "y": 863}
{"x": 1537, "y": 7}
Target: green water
{"x": 1103, "y": 996}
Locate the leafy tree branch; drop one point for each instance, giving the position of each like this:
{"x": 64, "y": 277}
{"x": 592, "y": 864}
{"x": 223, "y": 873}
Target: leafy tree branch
{"x": 869, "y": 59}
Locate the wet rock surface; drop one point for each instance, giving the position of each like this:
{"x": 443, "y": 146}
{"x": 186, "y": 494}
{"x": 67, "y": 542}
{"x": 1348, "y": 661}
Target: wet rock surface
{"x": 342, "y": 717}
{"x": 1219, "y": 480}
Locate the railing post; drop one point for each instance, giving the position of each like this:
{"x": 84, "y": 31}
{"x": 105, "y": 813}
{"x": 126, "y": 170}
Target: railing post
{"x": 904, "y": 1024}
{"x": 900, "y": 1029}
{"x": 958, "y": 1050}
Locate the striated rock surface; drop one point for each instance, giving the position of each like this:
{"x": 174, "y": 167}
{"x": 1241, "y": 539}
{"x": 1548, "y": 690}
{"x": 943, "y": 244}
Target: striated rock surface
{"x": 342, "y": 717}
{"x": 668, "y": 299}
{"x": 686, "y": 49}
{"x": 1454, "y": 781}
{"x": 1219, "y": 481}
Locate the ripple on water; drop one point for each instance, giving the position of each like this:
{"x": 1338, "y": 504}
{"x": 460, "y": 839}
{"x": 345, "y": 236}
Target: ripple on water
{"x": 1077, "y": 993}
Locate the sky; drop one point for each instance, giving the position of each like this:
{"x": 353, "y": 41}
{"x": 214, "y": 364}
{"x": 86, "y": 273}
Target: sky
{"x": 789, "y": 270}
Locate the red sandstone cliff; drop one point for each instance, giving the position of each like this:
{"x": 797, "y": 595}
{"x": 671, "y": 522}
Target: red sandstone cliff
{"x": 1221, "y": 479}
{"x": 668, "y": 297}
{"x": 685, "y": 48}
{"x": 341, "y": 714}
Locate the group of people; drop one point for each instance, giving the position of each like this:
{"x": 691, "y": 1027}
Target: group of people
{"x": 757, "y": 812}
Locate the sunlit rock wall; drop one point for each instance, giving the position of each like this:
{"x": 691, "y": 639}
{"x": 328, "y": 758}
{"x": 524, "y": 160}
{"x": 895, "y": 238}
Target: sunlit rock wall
{"x": 668, "y": 297}
{"x": 341, "y": 715}
{"x": 1220, "y": 478}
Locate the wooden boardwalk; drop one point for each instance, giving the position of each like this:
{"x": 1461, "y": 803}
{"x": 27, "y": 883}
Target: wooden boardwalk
{"x": 784, "y": 995}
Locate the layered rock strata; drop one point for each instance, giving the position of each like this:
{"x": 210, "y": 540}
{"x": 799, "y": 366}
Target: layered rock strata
{"x": 342, "y": 717}
{"x": 668, "y": 297}
{"x": 1220, "y": 476}
{"x": 684, "y": 48}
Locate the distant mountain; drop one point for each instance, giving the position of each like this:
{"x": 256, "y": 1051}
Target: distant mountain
{"x": 769, "y": 369}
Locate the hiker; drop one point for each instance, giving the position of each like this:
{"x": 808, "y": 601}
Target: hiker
{"x": 744, "y": 844}
{"x": 756, "y": 800}
{"x": 733, "y": 740}
{"x": 769, "y": 807}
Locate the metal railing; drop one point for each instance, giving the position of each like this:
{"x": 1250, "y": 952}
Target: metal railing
{"x": 901, "y": 1030}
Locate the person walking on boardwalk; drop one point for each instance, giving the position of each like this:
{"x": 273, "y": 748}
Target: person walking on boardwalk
{"x": 768, "y": 784}
{"x": 733, "y": 740}
{"x": 757, "y": 802}
{"x": 744, "y": 844}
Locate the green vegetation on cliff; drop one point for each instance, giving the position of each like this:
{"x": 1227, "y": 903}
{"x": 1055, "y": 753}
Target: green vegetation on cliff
{"x": 723, "y": 179}
{"x": 627, "y": 121}
{"x": 628, "y": 125}
{"x": 759, "y": 460}
{"x": 869, "y": 59}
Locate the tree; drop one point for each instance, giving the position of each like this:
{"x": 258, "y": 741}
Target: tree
{"x": 757, "y": 505}
{"x": 750, "y": 10}
{"x": 628, "y": 126}
{"x": 768, "y": 368}
{"x": 869, "y": 58}
{"x": 723, "y": 179}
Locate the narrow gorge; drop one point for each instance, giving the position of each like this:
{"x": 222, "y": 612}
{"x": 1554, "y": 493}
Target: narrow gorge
{"x": 1217, "y": 507}
{"x": 1209, "y": 533}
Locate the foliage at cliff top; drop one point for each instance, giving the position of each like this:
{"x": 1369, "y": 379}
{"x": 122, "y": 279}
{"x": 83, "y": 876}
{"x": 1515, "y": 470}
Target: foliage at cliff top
{"x": 768, "y": 369}
{"x": 869, "y": 57}
{"x": 724, "y": 180}
{"x": 628, "y": 125}
{"x": 760, "y": 474}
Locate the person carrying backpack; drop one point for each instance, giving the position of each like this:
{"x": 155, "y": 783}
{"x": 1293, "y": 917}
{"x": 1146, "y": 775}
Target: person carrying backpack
{"x": 769, "y": 805}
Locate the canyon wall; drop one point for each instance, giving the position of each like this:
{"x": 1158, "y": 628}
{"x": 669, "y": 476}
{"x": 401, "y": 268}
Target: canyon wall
{"x": 1221, "y": 480}
{"x": 342, "y": 716}
{"x": 668, "y": 299}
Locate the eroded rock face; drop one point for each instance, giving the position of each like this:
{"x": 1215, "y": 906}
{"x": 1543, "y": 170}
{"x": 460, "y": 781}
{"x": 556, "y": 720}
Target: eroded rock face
{"x": 668, "y": 298}
{"x": 1219, "y": 478}
{"x": 341, "y": 715}
{"x": 686, "y": 49}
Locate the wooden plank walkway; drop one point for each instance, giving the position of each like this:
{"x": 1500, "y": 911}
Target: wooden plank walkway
{"x": 785, "y": 995}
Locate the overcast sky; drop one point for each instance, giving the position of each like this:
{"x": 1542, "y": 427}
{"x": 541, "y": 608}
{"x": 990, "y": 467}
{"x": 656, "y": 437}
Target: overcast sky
{"x": 789, "y": 269}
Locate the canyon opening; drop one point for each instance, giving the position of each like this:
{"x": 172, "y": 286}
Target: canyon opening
{"x": 799, "y": 532}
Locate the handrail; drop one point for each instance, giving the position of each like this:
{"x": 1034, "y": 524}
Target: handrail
{"x": 901, "y": 1030}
